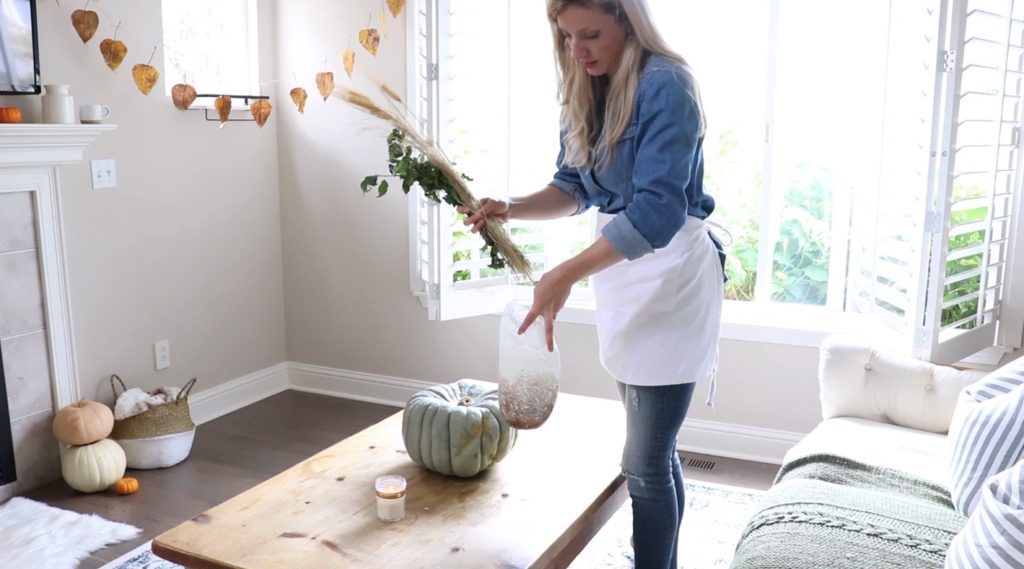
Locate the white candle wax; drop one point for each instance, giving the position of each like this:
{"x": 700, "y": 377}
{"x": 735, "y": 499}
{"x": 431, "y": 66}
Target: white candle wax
{"x": 390, "y": 509}
{"x": 390, "y": 492}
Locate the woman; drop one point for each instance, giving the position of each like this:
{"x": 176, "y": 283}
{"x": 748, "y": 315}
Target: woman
{"x": 632, "y": 132}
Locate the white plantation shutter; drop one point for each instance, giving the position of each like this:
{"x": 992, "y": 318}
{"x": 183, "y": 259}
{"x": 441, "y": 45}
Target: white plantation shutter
{"x": 888, "y": 250}
{"x": 975, "y": 194}
{"x": 448, "y": 270}
{"x": 931, "y": 252}
{"x": 480, "y": 94}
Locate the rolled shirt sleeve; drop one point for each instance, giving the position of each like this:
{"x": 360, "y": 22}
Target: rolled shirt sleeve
{"x": 665, "y": 146}
{"x": 567, "y": 179}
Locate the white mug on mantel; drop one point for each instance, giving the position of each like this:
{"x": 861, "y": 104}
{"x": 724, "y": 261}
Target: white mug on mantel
{"x": 58, "y": 105}
{"x": 93, "y": 114}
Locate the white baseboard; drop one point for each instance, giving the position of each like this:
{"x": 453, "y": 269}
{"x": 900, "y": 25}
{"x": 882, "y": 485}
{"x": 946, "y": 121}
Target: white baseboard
{"x": 382, "y": 389}
{"x": 736, "y": 441}
{"x": 218, "y": 401}
{"x": 706, "y": 437}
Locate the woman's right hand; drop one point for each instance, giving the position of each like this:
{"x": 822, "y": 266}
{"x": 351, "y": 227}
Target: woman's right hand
{"x": 493, "y": 209}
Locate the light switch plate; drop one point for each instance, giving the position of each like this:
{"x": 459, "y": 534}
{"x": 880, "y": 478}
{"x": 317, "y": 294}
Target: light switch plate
{"x": 162, "y": 354}
{"x": 104, "y": 174}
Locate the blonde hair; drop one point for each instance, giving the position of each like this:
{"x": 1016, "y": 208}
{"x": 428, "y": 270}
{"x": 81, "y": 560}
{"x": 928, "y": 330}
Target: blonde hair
{"x": 578, "y": 91}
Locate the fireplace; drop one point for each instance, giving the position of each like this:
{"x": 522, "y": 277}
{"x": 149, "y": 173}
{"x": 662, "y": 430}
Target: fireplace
{"x": 7, "y": 471}
{"x": 38, "y": 371}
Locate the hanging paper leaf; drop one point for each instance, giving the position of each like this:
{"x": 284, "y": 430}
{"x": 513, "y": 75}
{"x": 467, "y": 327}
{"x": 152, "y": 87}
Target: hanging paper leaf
{"x": 370, "y": 39}
{"x": 114, "y": 52}
{"x": 299, "y": 97}
{"x": 260, "y": 109}
{"x": 223, "y": 106}
{"x": 85, "y": 23}
{"x": 183, "y": 95}
{"x": 349, "y": 58}
{"x": 145, "y": 76}
{"x": 325, "y": 83}
{"x": 396, "y": 7}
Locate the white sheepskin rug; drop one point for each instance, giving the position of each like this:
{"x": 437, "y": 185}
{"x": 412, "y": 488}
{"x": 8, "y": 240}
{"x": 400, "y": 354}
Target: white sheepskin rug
{"x": 37, "y": 536}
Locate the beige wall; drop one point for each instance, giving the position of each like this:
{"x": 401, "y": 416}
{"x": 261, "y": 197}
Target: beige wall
{"x": 187, "y": 248}
{"x": 346, "y": 255}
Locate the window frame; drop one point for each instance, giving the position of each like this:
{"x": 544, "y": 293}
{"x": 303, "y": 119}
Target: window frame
{"x": 805, "y": 325}
{"x": 252, "y": 62}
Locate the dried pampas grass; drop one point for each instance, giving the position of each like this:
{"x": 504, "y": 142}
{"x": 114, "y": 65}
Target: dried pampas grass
{"x": 493, "y": 233}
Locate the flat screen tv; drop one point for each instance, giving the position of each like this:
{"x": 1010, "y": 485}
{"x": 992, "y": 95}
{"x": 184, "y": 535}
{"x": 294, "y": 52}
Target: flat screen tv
{"x": 19, "y": 48}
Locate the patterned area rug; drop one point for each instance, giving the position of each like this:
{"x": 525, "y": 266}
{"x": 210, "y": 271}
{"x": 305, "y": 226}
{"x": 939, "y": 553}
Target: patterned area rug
{"x": 715, "y": 517}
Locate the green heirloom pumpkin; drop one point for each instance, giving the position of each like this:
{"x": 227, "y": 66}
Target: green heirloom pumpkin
{"x": 456, "y": 429}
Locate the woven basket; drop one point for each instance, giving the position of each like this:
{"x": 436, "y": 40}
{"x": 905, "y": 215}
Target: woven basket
{"x": 157, "y": 421}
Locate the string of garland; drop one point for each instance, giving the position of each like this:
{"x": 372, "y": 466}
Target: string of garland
{"x": 114, "y": 51}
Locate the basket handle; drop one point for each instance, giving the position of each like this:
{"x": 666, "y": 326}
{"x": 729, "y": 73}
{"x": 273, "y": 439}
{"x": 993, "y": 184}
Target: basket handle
{"x": 183, "y": 394}
{"x": 114, "y": 387}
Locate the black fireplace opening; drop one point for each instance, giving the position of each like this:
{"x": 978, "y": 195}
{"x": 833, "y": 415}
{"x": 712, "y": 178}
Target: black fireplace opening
{"x": 7, "y": 471}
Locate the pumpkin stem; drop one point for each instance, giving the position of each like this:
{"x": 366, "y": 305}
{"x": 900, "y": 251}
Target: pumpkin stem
{"x": 465, "y": 402}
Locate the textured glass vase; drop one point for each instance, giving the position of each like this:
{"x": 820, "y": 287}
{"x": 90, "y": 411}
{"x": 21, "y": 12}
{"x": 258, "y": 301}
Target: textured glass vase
{"x": 528, "y": 374}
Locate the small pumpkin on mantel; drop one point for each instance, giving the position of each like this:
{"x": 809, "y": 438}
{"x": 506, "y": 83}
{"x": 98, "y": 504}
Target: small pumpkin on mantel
{"x": 456, "y": 429}
{"x": 83, "y": 423}
{"x": 10, "y": 115}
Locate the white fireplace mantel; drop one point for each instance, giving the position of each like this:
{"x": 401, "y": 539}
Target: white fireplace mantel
{"x": 29, "y": 157}
{"x": 46, "y": 144}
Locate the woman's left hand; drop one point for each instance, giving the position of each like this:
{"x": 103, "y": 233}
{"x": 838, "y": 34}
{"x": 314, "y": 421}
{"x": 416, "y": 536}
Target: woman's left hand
{"x": 549, "y": 297}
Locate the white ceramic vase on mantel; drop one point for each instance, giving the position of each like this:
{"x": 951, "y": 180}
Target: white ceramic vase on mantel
{"x": 58, "y": 105}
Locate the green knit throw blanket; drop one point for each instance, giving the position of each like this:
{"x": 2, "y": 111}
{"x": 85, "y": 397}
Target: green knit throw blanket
{"x": 825, "y": 511}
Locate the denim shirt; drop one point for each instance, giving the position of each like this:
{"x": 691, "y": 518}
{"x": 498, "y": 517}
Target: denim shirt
{"x": 655, "y": 176}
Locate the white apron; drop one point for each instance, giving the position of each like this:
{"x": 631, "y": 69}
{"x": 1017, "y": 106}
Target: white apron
{"x": 659, "y": 316}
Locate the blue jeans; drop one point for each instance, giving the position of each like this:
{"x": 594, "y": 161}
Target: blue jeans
{"x": 653, "y": 473}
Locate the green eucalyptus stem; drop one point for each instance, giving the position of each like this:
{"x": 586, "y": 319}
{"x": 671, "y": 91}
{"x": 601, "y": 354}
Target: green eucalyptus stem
{"x": 414, "y": 169}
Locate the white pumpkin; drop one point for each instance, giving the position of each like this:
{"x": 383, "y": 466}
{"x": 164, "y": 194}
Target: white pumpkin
{"x": 93, "y": 468}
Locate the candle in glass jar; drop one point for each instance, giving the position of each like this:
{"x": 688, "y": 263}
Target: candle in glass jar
{"x": 390, "y": 491}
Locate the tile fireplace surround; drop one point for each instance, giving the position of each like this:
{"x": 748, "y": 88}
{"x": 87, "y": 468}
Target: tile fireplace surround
{"x": 36, "y": 341}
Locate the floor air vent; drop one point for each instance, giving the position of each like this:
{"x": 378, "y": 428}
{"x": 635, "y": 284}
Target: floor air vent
{"x": 700, "y": 464}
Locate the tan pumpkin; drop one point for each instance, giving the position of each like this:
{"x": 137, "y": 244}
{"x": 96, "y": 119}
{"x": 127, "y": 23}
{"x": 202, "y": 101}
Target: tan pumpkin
{"x": 10, "y": 115}
{"x": 93, "y": 468}
{"x": 127, "y": 485}
{"x": 83, "y": 423}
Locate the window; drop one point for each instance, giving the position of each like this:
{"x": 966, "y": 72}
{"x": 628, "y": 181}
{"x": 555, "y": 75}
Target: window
{"x": 211, "y": 46}
{"x": 864, "y": 156}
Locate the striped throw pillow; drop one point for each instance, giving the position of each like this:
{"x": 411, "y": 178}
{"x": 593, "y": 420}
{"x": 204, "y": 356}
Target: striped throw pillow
{"x": 989, "y": 436}
{"x": 994, "y": 534}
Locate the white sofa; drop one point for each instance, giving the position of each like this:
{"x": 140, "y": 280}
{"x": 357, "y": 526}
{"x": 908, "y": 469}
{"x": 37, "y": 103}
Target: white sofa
{"x": 885, "y": 409}
{"x": 880, "y": 451}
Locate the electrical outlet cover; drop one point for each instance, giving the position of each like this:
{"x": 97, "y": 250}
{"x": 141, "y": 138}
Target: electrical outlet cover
{"x": 104, "y": 174}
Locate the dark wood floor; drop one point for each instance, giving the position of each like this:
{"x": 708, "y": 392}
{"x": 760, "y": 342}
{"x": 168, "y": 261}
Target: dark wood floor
{"x": 239, "y": 450}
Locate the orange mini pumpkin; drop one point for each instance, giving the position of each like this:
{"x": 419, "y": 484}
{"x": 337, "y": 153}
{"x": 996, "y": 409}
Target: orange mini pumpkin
{"x": 127, "y": 485}
{"x": 10, "y": 115}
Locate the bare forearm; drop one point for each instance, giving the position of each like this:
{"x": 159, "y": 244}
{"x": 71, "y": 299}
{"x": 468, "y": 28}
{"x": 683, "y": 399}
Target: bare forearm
{"x": 549, "y": 203}
{"x": 594, "y": 259}
{"x": 553, "y": 289}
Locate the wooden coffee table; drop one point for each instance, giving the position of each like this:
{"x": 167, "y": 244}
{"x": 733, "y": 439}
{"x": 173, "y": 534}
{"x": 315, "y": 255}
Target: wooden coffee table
{"x": 537, "y": 508}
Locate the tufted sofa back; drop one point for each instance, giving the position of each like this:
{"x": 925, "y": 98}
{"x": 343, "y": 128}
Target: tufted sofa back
{"x": 858, "y": 380}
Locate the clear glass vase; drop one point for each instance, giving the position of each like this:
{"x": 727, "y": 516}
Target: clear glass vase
{"x": 528, "y": 374}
